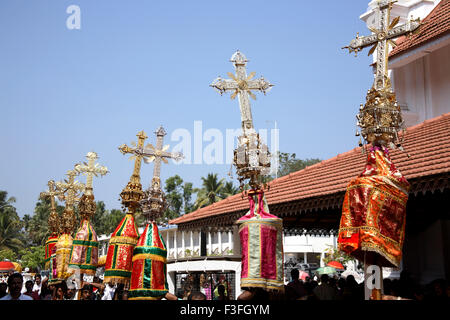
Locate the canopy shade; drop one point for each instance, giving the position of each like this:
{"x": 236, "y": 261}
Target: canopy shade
{"x": 7, "y": 266}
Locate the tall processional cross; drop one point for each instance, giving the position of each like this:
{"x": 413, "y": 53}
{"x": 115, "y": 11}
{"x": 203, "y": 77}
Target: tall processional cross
{"x": 382, "y": 36}
{"x": 72, "y": 187}
{"x": 90, "y": 169}
{"x": 242, "y": 85}
{"x": 158, "y": 154}
{"x": 51, "y": 193}
{"x": 137, "y": 154}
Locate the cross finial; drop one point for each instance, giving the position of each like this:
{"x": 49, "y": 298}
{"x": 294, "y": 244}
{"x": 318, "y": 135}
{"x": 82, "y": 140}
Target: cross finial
{"x": 136, "y": 154}
{"x": 51, "y": 193}
{"x": 90, "y": 169}
{"x": 71, "y": 187}
{"x": 242, "y": 86}
{"x": 154, "y": 202}
{"x": 251, "y": 154}
{"x": 380, "y": 119}
{"x": 132, "y": 193}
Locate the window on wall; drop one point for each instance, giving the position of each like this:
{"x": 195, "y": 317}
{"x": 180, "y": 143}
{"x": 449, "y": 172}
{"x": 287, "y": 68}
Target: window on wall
{"x": 313, "y": 257}
{"x": 205, "y": 282}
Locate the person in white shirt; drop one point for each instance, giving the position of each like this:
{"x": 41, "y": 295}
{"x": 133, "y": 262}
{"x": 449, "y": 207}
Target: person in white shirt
{"x": 15, "y": 283}
{"x": 37, "y": 283}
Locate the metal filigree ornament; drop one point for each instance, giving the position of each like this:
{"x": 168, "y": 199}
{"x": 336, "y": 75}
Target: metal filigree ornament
{"x": 380, "y": 118}
{"x": 251, "y": 157}
{"x": 154, "y": 203}
{"x": 132, "y": 193}
{"x": 70, "y": 190}
{"x": 87, "y": 206}
{"x": 53, "y": 219}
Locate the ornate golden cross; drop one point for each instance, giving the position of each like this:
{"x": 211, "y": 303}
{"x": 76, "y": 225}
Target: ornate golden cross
{"x": 90, "y": 169}
{"x": 72, "y": 187}
{"x": 138, "y": 155}
{"x": 51, "y": 193}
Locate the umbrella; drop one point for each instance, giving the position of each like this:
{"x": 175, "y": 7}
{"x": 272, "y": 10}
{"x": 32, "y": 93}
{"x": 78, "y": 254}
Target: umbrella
{"x": 326, "y": 270}
{"x": 17, "y": 266}
{"x": 6, "y": 266}
{"x": 336, "y": 265}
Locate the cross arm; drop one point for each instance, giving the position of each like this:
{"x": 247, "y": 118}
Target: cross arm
{"x": 360, "y": 43}
{"x": 403, "y": 29}
{"x": 177, "y": 156}
{"x": 259, "y": 84}
{"x": 223, "y": 85}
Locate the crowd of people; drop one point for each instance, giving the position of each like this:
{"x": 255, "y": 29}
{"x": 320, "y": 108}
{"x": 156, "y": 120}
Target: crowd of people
{"x": 338, "y": 288}
{"x": 325, "y": 288}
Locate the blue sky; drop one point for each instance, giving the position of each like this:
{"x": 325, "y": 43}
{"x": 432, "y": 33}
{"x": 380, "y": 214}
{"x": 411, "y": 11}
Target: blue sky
{"x": 134, "y": 65}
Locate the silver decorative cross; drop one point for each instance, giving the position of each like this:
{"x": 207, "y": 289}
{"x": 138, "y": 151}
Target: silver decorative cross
{"x": 154, "y": 202}
{"x": 242, "y": 86}
{"x": 251, "y": 157}
{"x": 381, "y": 38}
{"x": 90, "y": 169}
{"x": 158, "y": 154}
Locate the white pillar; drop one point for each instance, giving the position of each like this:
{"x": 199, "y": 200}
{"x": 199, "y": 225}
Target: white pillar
{"x": 199, "y": 242}
{"x": 192, "y": 242}
{"x": 183, "y": 247}
{"x": 175, "y": 244}
{"x": 230, "y": 241}
{"x": 209, "y": 242}
{"x": 305, "y": 255}
{"x": 220, "y": 241}
{"x": 168, "y": 241}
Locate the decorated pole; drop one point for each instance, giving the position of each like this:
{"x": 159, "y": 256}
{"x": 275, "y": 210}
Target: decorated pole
{"x": 69, "y": 193}
{"x": 54, "y": 228}
{"x": 118, "y": 265}
{"x": 149, "y": 273}
{"x": 260, "y": 232}
{"x": 372, "y": 226}
{"x": 84, "y": 253}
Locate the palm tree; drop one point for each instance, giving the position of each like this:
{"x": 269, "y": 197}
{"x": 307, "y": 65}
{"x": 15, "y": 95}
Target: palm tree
{"x": 229, "y": 189}
{"x": 10, "y": 224}
{"x": 211, "y": 191}
{"x": 6, "y": 204}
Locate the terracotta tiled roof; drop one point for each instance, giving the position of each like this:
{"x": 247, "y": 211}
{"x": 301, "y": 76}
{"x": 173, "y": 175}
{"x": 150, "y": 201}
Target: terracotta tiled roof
{"x": 436, "y": 24}
{"x": 427, "y": 143}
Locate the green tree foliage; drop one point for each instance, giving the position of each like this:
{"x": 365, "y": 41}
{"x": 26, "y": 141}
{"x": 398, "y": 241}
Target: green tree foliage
{"x": 178, "y": 197}
{"x": 105, "y": 221}
{"x": 210, "y": 192}
{"x": 289, "y": 163}
{"x": 36, "y": 227}
{"x": 8, "y": 254}
{"x": 114, "y": 217}
{"x": 32, "y": 257}
{"x": 10, "y": 224}
{"x": 229, "y": 189}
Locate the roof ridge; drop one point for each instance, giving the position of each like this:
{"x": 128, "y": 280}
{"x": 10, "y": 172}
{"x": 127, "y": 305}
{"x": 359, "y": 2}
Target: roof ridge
{"x": 402, "y": 39}
{"x": 427, "y": 121}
